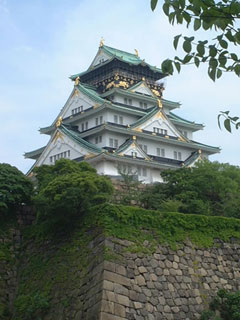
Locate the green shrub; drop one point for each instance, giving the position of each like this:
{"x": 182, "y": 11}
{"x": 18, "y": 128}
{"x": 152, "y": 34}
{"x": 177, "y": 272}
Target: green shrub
{"x": 29, "y": 307}
{"x": 225, "y": 306}
{"x": 15, "y": 189}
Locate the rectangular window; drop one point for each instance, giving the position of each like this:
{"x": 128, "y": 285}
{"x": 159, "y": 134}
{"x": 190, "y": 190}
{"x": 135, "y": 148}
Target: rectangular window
{"x": 68, "y": 153}
{"x": 144, "y": 172}
{"x": 179, "y": 156}
{"x": 145, "y": 148}
{"x": 121, "y": 120}
{"x": 125, "y": 101}
{"x": 141, "y": 104}
{"x": 81, "y": 108}
{"x": 139, "y": 171}
{"x": 145, "y": 105}
{"x": 96, "y": 121}
{"x": 111, "y": 142}
{"x": 163, "y": 153}
{"x": 130, "y": 102}
{"x": 82, "y": 126}
{"x": 156, "y": 130}
{"x": 134, "y": 154}
{"x": 175, "y": 155}
{"x": 115, "y": 119}
{"x": 115, "y": 143}
{"x": 100, "y": 139}
{"x": 51, "y": 158}
{"x": 86, "y": 125}
{"x": 96, "y": 140}
{"x": 72, "y": 111}
{"x": 101, "y": 119}
{"x": 158, "y": 152}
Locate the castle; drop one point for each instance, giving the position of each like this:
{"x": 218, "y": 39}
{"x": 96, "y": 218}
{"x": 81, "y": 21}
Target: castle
{"x": 116, "y": 119}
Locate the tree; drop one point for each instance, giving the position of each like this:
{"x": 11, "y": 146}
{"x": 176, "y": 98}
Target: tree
{"x": 15, "y": 189}
{"x": 220, "y": 53}
{"x": 209, "y": 188}
{"x": 226, "y": 304}
{"x": 67, "y": 190}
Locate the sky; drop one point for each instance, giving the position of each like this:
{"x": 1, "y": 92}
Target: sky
{"x": 43, "y": 42}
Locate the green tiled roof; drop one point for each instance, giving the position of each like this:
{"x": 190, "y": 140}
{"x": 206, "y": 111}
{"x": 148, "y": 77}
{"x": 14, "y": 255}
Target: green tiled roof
{"x": 191, "y": 158}
{"x": 90, "y": 91}
{"x": 145, "y": 118}
{"x": 76, "y": 136}
{"x": 125, "y": 145}
{"x": 124, "y": 56}
{"x": 127, "y": 57}
{"x": 173, "y": 116}
{"x": 34, "y": 154}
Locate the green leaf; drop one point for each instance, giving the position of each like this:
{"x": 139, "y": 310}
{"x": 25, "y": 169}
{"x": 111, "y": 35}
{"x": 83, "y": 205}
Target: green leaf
{"x": 176, "y": 40}
{"x": 166, "y": 9}
{"x": 153, "y": 4}
{"x": 223, "y": 44}
{"x": 237, "y": 70}
{"x": 212, "y": 51}
{"x": 213, "y": 63}
{"x": 201, "y": 49}
{"x": 227, "y": 125}
{"x": 177, "y": 66}
{"x": 234, "y": 56}
{"x": 187, "y": 46}
{"x": 167, "y": 66}
{"x": 219, "y": 73}
{"x": 212, "y": 73}
{"x": 187, "y": 58}
{"x": 197, "y": 24}
{"x": 196, "y": 61}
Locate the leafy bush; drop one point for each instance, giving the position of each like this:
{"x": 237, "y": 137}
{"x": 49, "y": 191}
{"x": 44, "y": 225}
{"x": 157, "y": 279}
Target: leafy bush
{"x": 225, "y": 306}
{"x": 209, "y": 188}
{"x": 29, "y": 307}
{"x": 67, "y": 190}
{"x": 15, "y": 189}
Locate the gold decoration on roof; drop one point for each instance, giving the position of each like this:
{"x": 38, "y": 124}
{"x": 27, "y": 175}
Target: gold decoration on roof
{"x": 116, "y": 76}
{"x": 75, "y": 93}
{"x": 136, "y": 52}
{"x": 199, "y": 151}
{"x": 156, "y": 92}
{"x": 181, "y": 139}
{"x": 89, "y": 155}
{"x": 134, "y": 137}
{"x": 58, "y": 135}
{"x": 137, "y": 129}
{"x": 123, "y": 84}
{"x": 77, "y": 80}
{"x": 159, "y": 103}
{"x": 59, "y": 122}
{"x": 167, "y": 137}
{"x": 101, "y": 42}
{"x": 143, "y": 78}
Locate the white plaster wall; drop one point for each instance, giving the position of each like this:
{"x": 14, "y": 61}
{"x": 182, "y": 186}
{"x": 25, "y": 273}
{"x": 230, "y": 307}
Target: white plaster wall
{"x": 162, "y": 125}
{"x": 169, "y": 149}
{"x": 135, "y": 101}
{"x": 60, "y": 146}
{"x": 127, "y": 119}
{"x": 189, "y": 132}
{"x": 75, "y": 102}
{"x": 91, "y": 119}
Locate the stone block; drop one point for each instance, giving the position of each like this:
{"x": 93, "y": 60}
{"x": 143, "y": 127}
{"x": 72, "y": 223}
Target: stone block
{"x": 116, "y": 278}
{"x": 119, "y": 310}
{"x": 139, "y": 280}
{"x": 107, "y": 306}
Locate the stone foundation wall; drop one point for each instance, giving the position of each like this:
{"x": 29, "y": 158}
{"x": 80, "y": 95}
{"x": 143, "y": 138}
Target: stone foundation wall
{"x": 167, "y": 284}
{"x": 117, "y": 283}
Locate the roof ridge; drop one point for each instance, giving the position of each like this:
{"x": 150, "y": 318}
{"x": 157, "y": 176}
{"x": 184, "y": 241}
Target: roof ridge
{"x": 133, "y": 54}
{"x": 146, "y": 117}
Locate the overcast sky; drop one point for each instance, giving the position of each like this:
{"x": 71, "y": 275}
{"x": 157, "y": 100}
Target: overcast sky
{"x": 43, "y": 42}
